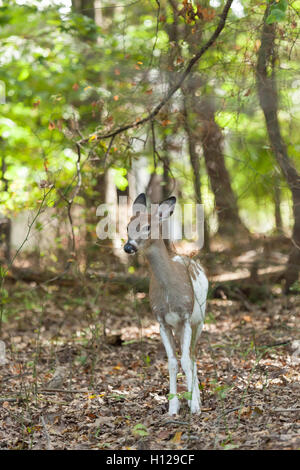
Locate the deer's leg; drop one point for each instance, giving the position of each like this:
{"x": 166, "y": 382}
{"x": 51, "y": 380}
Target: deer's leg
{"x": 196, "y": 332}
{"x": 169, "y": 344}
{"x": 189, "y": 340}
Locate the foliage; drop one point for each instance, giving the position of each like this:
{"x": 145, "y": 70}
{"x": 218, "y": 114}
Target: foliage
{"x": 277, "y": 12}
{"x": 67, "y": 77}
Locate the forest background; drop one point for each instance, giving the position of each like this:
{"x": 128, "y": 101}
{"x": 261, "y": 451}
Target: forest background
{"x": 198, "y": 99}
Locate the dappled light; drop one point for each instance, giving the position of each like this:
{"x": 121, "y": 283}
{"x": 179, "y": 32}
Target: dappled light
{"x": 149, "y": 225}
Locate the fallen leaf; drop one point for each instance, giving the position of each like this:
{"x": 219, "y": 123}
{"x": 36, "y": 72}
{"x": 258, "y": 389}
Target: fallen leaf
{"x": 177, "y": 438}
{"x": 247, "y": 318}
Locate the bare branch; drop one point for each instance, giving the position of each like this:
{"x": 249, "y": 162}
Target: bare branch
{"x": 179, "y": 82}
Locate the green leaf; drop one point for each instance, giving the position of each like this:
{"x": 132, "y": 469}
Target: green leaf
{"x": 187, "y": 395}
{"x": 23, "y": 75}
{"x": 275, "y": 16}
{"x": 119, "y": 178}
{"x": 2, "y": 272}
{"x": 282, "y": 5}
{"x": 140, "y": 430}
{"x": 171, "y": 395}
{"x": 229, "y": 446}
{"x": 3, "y": 293}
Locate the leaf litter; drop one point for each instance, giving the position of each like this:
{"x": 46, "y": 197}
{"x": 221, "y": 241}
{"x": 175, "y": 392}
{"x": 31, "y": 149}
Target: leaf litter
{"x": 66, "y": 385}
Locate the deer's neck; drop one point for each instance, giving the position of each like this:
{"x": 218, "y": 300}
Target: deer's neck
{"x": 159, "y": 261}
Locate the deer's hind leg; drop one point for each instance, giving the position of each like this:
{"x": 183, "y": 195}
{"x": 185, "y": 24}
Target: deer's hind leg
{"x": 189, "y": 337}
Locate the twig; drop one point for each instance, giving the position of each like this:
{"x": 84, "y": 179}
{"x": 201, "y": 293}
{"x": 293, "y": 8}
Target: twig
{"x": 11, "y": 261}
{"x": 11, "y": 399}
{"x": 275, "y": 410}
{"x": 226, "y": 412}
{"x": 11, "y": 377}
{"x": 108, "y": 150}
{"x": 156, "y": 32}
{"x": 61, "y": 390}
{"x": 69, "y": 208}
{"x": 284, "y": 410}
{"x": 171, "y": 421}
{"x": 39, "y": 211}
{"x": 49, "y": 445}
{"x": 161, "y": 159}
{"x": 273, "y": 345}
{"x": 177, "y": 85}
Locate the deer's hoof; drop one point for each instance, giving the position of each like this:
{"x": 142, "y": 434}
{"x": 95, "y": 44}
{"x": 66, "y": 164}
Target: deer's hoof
{"x": 195, "y": 406}
{"x": 174, "y": 406}
{"x": 196, "y": 410}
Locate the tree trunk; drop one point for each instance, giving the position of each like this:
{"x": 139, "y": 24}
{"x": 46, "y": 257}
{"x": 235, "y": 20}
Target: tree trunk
{"x": 166, "y": 180}
{"x": 5, "y": 236}
{"x": 84, "y": 7}
{"x": 277, "y": 201}
{"x": 5, "y": 223}
{"x": 267, "y": 91}
{"x": 195, "y": 161}
{"x": 211, "y": 138}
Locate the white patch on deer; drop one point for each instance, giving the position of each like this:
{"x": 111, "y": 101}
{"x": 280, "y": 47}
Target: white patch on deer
{"x": 172, "y": 318}
{"x": 200, "y": 287}
{"x": 174, "y": 404}
{"x": 178, "y": 259}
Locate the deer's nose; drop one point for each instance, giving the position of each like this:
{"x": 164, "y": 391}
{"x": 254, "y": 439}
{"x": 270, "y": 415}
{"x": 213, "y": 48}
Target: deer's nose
{"x": 130, "y": 248}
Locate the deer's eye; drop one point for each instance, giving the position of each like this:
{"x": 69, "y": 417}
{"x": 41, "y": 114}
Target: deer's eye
{"x": 148, "y": 228}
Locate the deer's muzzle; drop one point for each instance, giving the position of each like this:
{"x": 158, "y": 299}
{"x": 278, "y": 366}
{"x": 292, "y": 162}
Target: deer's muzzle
{"x": 129, "y": 248}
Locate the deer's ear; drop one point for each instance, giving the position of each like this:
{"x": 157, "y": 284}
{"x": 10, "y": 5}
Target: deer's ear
{"x": 140, "y": 204}
{"x": 166, "y": 207}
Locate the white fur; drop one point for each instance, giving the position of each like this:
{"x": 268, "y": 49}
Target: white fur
{"x": 200, "y": 287}
{"x": 178, "y": 259}
{"x": 173, "y": 369}
{"x": 172, "y": 318}
{"x": 192, "y": 327}
{"x": 190, "y": 369}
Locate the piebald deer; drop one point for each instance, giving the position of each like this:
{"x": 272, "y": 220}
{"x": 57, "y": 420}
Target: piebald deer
{"x": 178, "y": 291}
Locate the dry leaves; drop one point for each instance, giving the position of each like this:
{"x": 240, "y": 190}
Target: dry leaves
{"x": 113, "y": 388}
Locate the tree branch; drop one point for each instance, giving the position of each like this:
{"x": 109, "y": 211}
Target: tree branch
{"x": 179, "y": 82}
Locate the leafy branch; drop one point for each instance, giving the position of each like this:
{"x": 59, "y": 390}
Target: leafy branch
{"x": 175, "y": 87}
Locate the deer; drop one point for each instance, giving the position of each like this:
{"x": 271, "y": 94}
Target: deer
{"x": 177, "y": 292}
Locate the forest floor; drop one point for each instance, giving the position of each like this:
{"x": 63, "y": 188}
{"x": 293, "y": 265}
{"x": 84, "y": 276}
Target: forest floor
{"x": 67, "y": 385}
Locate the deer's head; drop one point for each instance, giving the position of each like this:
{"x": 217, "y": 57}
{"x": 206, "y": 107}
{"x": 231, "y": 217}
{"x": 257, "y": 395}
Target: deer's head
{"x": 145, "y": 226}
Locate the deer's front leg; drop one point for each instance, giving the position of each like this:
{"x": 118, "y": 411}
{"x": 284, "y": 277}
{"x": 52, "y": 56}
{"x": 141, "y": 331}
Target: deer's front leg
{"x": 169, "y": 344}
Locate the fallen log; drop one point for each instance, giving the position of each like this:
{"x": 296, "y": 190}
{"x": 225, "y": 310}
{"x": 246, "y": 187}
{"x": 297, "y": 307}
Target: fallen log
{"x": 227, "y": 285}
{"x": 113, "y": 281}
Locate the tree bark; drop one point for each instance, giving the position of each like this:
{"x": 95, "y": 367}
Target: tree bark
{"x": 209, "y": 135}
{"x": 277, "y": 201}
{"x": 195, "y": 161}
{"x": 5, "y": 223}
{"x": 5, "y": 236}
{"x": 211, "y": 138}
{"x": 84, "y": 7}
{"x": 268, "y": 97}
